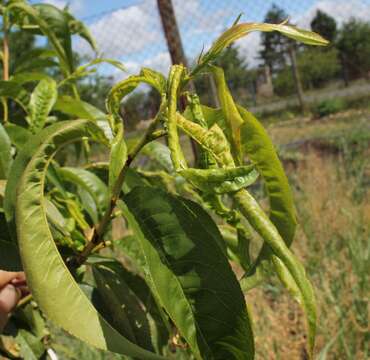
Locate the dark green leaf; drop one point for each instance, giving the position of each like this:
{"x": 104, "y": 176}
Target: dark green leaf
{"x": 126, "y": 311}
{"x": 9, "y": 256}
{"x": 192, "y": 278}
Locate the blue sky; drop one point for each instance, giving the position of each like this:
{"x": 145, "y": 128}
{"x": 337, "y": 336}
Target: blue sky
{"x": 130, "y": 30}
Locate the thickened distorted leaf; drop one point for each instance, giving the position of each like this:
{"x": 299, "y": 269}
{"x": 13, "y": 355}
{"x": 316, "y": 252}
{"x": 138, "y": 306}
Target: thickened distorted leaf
{"x": 223, "y": 180}
{"x": 293, "y": 268}
{"x": 212, "y": 140}
{"x": 232, "y": 118}
{"x": 239, "y": 30}
{"x": 127, "y": 313}
{"x": 5, "y": 153}
{"x": 194, "y": 112}
{"x": 52, "y": 286}
{"x": 174, "y": 79}
{"x": 88, "y": 181}
{"x": 42, "y": 101}
{"x": 192, "y": 278}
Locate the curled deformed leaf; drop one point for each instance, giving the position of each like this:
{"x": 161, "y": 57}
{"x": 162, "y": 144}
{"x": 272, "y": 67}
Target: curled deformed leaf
{"x": 293, "y": 269}
{"x": 174, "y": 80}
{"x": 239, "y": 30}
{"x": 212, "y": 140}
{"x": 195, "y": 113}
{"x": 222, "y": 180}
{"x": 50, "y": 281}
{"x": 125, "y": 87}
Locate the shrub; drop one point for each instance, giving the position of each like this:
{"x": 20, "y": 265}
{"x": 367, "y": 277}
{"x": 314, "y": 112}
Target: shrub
{"x": 327, "y": 107}
{"x": 176, "y": 294}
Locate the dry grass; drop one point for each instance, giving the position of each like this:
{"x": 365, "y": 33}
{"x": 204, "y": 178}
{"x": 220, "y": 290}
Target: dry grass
{"x": 331, "y": 223}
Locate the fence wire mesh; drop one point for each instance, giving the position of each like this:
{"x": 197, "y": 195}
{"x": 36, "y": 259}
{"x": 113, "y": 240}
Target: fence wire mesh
{"x": 133, "y": 33}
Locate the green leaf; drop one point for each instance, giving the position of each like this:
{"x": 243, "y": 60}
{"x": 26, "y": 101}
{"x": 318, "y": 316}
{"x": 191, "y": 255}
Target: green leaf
{"x": 221, "y": 181}
{"x": 5, "y": 153}
{"x": 213, "y": 140}
{"x": 240, "y": 30}
{"x": 17, "y": 134}
{"x": 51, "y": 22}
{"x": 9, "y": 256}
{"x": 78, "y": 108}
{"x": 42, "y": 101}
{"x": 55, "y": 218}
{"x": 77, "y": 27}
{"x": 89, "y": 204}
{"x": 160, "y": 153}
{"x": 84, "y": 70}
{"x": 10, "y": 89}
{"x": 2, "y": 192}
{"x": 18, "y": 166}
{"x": 261, "y": 152}
{"x": 186, "y": 261}
{"x": 88, "y": 181}
{"x": 174, "y": 80}
{"x": 126, "y": 311}
{"x": 52, "y": 286}
{"x": 34, "y": 59}
{"x": 31, "y": 348}
{"x": 117, "y": 158}
{"x": 30, "y": 315}
{"x": 26, "y": 77}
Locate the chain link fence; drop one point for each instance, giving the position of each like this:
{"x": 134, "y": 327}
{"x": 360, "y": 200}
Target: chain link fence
{"x": 135, "y": 35}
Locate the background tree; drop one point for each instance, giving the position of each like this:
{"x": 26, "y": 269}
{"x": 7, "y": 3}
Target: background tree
{"x": 354, "y": 48}
{"x": 325, "y": 25}
{"x": 274, "y": 45}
